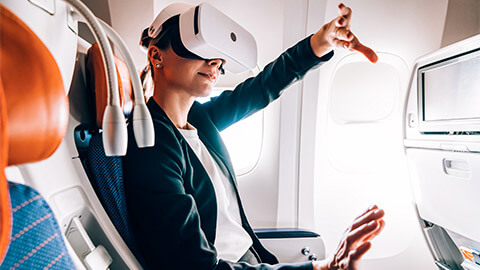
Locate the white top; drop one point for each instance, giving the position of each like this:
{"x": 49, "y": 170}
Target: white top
{"x": 231, "y": 240}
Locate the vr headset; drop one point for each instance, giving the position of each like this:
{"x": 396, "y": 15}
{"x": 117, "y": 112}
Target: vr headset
{"x": 204, "y": 32}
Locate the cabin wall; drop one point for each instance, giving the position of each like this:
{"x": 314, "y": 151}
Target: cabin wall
{"x": 101, "y": 10}
{"x": 462, "y": 21}
{"x": 361, "y": 163}
{"x": 129, "y": 19}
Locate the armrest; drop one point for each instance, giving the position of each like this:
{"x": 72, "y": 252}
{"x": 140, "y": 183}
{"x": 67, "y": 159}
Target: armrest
{"x": 268, "y": 233}
{"x": 292, "y": 244}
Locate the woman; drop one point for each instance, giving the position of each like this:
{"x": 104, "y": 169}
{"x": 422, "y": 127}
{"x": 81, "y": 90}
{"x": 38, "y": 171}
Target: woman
{"x": 181, "y": 194}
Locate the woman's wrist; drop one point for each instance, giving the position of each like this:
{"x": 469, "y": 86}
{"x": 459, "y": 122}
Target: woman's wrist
{"x": 319, "y": 48}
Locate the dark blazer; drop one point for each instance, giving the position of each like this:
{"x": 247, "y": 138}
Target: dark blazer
{"x": 170, "y": 198}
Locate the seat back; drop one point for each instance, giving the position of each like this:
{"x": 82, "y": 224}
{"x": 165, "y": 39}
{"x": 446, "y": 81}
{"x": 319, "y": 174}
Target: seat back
{"x": 106, "y": 173}
{"x": 33, "y": 122}
{"x": 106, "y": 176}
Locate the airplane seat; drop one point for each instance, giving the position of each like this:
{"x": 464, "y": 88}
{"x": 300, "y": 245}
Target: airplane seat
{"x": 442, "y": 145}
{"x": 33, "y": 121}
{"x": 104, "y": 172}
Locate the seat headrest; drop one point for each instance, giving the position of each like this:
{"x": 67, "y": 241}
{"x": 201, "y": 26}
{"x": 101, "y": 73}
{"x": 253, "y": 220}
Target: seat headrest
{"x": 33, "y": 105}
{"x": 35, "y": 97}
{"x": 97, "y": 82}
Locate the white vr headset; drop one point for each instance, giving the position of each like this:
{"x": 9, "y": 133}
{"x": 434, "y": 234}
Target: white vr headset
{"x": 204, "y": 32}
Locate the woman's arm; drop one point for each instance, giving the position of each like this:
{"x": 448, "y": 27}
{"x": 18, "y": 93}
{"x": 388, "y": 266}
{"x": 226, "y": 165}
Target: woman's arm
{"x": 256, "y": 93}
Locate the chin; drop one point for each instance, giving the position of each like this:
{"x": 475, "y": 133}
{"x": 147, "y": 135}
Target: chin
{"x": 205, "y": 92}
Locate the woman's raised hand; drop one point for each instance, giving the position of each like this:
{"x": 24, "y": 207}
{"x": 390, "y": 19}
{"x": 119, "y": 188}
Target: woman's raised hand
{"x": 355, "y": 242}
{"x": 337, "y": 34}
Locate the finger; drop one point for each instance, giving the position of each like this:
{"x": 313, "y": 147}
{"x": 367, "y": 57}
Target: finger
{"x": 341, "y": 21}
{"x": 346, "y": 13}
{"x": 366, "y": 51}
{"x": 360, "y": 251}
{"x": 374, "y": 214}
{"x": 341, "y": 252}
{"x": 341, "y": 43}
{"x": 371, "y": 207}
{"x": 344, "y": 34}
{"x": 349, "y": 261}
{"x": 366, "y": 212}
{"x": 377, "y": 231}
{"x": 358, "y": 234}
{"x": 345, "y": 263}
{"x": 369, "y": 236}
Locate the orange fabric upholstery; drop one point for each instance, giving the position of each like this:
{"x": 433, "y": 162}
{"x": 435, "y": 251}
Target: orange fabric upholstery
{"x": 33, "y": 106}
{"x": 5, "y": 211}
{"x": 35, "y": 97}
{"x": 97, "y": 81}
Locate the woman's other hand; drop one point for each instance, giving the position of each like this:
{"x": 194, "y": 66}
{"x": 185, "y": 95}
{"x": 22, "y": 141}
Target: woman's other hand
{"x": 355, "y": 242}
{"x": 337, "y": 34}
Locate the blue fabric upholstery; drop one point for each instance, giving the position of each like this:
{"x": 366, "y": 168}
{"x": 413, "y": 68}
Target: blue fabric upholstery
{"x": 106, "y": 176}
{"x": 36, "y": 241}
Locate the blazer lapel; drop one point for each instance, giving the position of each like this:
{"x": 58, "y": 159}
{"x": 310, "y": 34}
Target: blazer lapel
{"x": 210, "y": 136}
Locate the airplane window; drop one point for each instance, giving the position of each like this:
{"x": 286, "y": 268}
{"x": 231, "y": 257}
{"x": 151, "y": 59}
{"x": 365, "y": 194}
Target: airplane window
{"x": 363, "y": 96}
{"x": 363, "y": 146}
{"x": 243, "y": 139}
{"x": 362, "y": 105}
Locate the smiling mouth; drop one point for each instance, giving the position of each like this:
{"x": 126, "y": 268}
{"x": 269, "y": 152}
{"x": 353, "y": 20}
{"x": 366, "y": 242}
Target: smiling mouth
{"x": 209, "y": 76}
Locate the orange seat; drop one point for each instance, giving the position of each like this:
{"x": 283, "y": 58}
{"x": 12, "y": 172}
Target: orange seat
{"x": 33, "y": 122}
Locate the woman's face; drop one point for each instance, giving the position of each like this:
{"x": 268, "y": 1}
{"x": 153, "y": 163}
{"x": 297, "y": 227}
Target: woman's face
{"x": 196, "y": 77}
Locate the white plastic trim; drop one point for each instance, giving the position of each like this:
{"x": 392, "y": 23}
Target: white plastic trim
{"x": 94, "y": 258}
{"x": 114, "y": 145}
{"x": 98, "y": 259}
{"x": 142, "y": 120}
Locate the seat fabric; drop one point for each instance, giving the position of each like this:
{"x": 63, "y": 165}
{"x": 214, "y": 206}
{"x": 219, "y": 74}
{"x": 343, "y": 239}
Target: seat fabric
{"x": 36, "y": 241}
{"x": 106, "y": 175}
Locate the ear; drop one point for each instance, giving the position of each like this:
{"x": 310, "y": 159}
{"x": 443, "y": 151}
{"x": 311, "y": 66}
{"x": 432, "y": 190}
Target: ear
{"x": 155, "y": 55}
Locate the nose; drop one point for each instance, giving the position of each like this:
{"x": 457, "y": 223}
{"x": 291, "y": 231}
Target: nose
{"x": 215, "y": 62}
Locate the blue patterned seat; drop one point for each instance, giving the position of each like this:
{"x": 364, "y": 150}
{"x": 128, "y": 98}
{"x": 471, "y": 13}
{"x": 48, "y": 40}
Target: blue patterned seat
{"x": 106, "y": 175}
{"x": 36, "y": 241}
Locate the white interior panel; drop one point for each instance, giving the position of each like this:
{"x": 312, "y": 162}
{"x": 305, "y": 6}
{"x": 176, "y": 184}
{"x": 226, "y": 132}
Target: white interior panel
{"x": 14, "y": 174}
{"x": 63, "y": 44}
{"x": 129, "y": 18}
{"x": 447, "y": 189}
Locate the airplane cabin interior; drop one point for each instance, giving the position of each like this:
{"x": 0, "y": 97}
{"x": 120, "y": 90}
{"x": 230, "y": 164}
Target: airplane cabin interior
{"x": 403, "y": 133}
